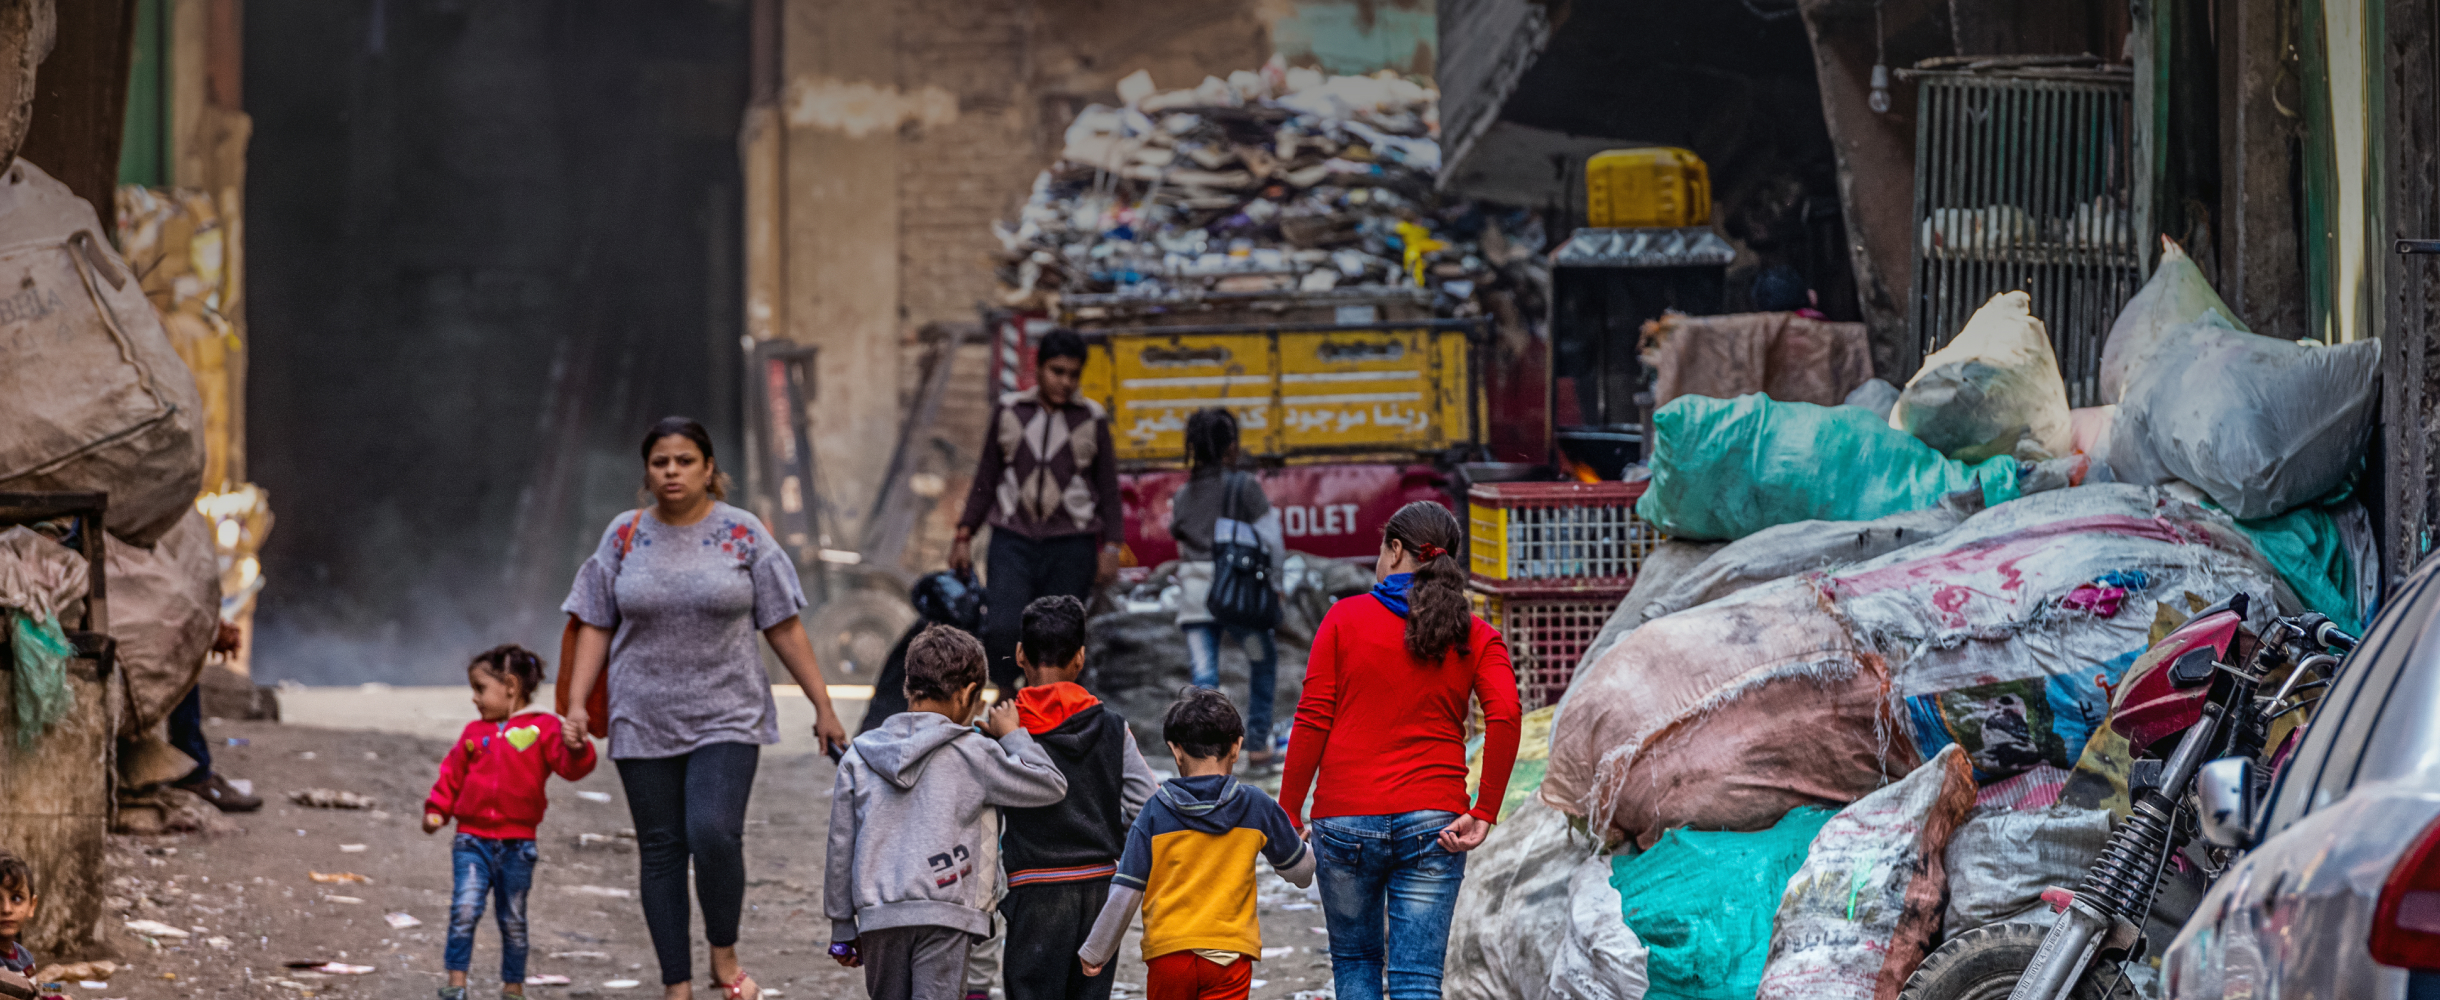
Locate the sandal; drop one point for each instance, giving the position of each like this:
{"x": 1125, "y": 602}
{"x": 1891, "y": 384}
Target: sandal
{"x": 735, "y": 989}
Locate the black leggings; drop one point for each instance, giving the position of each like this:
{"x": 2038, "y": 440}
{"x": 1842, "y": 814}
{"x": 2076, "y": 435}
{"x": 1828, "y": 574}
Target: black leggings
{"x": 693, "y": 804}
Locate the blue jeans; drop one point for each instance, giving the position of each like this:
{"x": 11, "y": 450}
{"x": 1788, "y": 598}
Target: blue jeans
{"x": 1387, "y": 891}
{"x": 503, "y": 870}
{"x": 1262, "y": 674}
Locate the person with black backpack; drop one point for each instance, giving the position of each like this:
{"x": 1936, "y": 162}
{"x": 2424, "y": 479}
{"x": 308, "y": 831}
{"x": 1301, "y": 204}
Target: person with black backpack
{"x": 1231, "y": 550}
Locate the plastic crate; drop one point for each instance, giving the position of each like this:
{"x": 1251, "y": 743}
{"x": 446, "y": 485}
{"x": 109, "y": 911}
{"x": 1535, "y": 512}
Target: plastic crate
{"x": 1583, "y": 533}
{"x": 1547, "y": 634}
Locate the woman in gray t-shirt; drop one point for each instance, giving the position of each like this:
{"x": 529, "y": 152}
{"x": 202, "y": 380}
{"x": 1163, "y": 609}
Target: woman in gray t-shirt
{"x": 670, "y": 602}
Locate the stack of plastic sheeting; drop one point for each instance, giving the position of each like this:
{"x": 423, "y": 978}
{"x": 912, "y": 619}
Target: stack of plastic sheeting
{"x": 1788, "y": 357}
{"x": 180, "y": 247}
{"x": 1726, "y": 468}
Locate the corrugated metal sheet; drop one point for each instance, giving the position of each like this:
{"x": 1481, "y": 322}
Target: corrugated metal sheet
{"x": 1695, "y": 245}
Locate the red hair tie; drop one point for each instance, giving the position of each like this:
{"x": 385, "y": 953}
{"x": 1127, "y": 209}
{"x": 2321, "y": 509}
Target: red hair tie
{"x": 1430, "y": 551}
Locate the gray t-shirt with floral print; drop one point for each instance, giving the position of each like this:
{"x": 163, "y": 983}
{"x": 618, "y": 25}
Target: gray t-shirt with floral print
{"x": 684, "y": 605}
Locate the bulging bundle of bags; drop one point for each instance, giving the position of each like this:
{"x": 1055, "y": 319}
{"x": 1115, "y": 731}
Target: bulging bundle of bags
{"x": 95, "y": 398}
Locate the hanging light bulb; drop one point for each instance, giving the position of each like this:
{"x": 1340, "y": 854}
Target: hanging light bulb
{"x": 1879, "y": 100}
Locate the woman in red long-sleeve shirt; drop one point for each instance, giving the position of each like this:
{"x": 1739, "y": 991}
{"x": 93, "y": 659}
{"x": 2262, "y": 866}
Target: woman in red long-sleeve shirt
{"x": 1383, "y": 719}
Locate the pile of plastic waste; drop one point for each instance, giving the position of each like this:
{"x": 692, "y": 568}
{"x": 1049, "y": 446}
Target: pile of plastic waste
{"x": 1860, "y": 700}
{"x": 1269, "y": 180}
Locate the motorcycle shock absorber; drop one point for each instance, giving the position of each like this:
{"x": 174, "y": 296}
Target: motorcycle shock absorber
{"x": 2123, "y": 879}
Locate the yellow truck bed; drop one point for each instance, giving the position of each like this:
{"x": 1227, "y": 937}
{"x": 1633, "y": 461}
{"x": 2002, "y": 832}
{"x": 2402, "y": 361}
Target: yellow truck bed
{"x": 1395, "y": 389}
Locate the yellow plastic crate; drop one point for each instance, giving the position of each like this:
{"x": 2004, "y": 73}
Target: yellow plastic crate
{"x": 1575, "y": 534}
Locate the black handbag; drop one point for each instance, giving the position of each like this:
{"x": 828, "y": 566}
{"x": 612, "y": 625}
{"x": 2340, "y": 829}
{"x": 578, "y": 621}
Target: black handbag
{"x": 1241, "y": 592}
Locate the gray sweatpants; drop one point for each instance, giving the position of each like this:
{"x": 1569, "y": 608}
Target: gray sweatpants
{"x": 915, "y": 963}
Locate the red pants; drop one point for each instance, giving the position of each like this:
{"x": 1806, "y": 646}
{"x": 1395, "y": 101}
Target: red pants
{"x": 1184, "y": 975}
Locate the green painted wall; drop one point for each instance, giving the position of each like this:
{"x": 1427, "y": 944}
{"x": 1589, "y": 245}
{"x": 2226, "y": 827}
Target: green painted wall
{"x": 144, "y": 151}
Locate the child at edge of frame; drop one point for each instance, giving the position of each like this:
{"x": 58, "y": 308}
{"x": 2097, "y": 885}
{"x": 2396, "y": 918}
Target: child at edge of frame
{"x": 1189, "y": 863}
{"x": 914, "y": 851}
{"x": 18, "y": 902}
{"x": 491, "y": 783}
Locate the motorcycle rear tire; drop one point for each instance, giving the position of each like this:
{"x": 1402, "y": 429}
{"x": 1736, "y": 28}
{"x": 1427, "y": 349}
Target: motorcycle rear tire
{"x": 1985, "y": 963}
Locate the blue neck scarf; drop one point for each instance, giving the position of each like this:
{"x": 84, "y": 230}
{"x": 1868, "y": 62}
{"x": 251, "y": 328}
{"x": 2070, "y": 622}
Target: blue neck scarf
{"x": 1392, "y": 591}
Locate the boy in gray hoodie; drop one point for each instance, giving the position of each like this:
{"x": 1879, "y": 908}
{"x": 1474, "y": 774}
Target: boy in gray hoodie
{"x": 915, "y": 824}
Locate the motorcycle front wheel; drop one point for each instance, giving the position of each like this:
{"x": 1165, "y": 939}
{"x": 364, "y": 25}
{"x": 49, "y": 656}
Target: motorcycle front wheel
{"x": 1985, "y": 963}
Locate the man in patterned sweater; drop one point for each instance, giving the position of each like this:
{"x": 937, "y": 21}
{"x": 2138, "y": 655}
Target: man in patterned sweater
{"x": 1048, "y": 485}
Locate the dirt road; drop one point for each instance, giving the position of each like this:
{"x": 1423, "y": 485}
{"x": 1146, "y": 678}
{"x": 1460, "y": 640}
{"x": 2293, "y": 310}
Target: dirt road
{"x": 249, "y": 905}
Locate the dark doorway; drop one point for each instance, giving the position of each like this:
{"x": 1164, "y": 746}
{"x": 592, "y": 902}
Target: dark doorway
{"x": 488, "y": 244}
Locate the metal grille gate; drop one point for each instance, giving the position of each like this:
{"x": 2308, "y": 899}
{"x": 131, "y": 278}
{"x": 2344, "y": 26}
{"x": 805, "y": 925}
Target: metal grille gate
{"x": 2022, "y": 181}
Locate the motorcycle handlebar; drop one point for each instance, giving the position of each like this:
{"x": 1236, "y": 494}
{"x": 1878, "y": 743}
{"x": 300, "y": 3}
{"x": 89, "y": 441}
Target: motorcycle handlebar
{"x": 2327, "y": 633}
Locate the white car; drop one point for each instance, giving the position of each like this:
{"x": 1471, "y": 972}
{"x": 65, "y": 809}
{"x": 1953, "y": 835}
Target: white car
{"x": 2341, "y": 900}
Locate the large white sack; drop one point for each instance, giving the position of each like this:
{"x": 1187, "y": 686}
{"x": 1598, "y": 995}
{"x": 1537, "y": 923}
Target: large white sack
{"x": 2261, "y": 426}
{"x": 164, "y": 611}
{"x": 1512, "y": 910}
{"x": 92, "y": 396}
{"x": 1600, "y": 959}
{"x": 2176, "y": 295}
{"x": 1994, "y": 390}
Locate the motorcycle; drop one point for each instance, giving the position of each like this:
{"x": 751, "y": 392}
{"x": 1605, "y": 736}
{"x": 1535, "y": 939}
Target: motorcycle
{"x": 2196, "y": 724}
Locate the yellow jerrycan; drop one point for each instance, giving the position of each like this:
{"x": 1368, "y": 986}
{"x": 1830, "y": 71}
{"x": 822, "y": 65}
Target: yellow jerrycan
{"x": 1652, "y": 186}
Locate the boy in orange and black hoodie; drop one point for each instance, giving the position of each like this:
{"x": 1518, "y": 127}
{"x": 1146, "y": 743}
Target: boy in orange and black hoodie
{"x": 1060, "y": 857}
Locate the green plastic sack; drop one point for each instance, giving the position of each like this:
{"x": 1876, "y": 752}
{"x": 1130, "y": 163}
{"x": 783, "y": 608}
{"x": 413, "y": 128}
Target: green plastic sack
{"x": 40, "y": 652}
{"x": 2311, "y": 557}
{"x": 1704, "y": 903}
{"x": 1726, "y": 468}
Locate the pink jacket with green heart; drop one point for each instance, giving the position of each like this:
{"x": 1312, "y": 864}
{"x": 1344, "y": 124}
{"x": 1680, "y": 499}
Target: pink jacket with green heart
{"x": 491, "y": 782}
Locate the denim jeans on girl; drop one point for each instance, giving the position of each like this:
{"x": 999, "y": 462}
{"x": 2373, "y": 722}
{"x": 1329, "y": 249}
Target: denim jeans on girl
{"x": 1387, "y": 892}
{"x": 1262, "y": 673}
{"x": 504, "y": 871}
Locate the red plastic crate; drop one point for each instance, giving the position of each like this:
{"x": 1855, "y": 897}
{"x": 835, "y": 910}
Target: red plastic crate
{"x": 1548, "y": 630}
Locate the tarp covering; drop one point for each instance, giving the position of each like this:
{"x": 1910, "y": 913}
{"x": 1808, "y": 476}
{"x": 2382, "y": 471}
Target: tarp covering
{"x": 1726, "y": 468}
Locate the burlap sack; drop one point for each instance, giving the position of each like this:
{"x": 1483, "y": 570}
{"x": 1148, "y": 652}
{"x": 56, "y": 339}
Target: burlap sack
{"x": 92, "y": 394}
{"x": 1692, "y": 720}
{"x": 164, "y": 611}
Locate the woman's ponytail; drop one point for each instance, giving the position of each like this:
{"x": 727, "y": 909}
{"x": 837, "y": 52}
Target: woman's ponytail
{"x": 1438, "y": 618}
